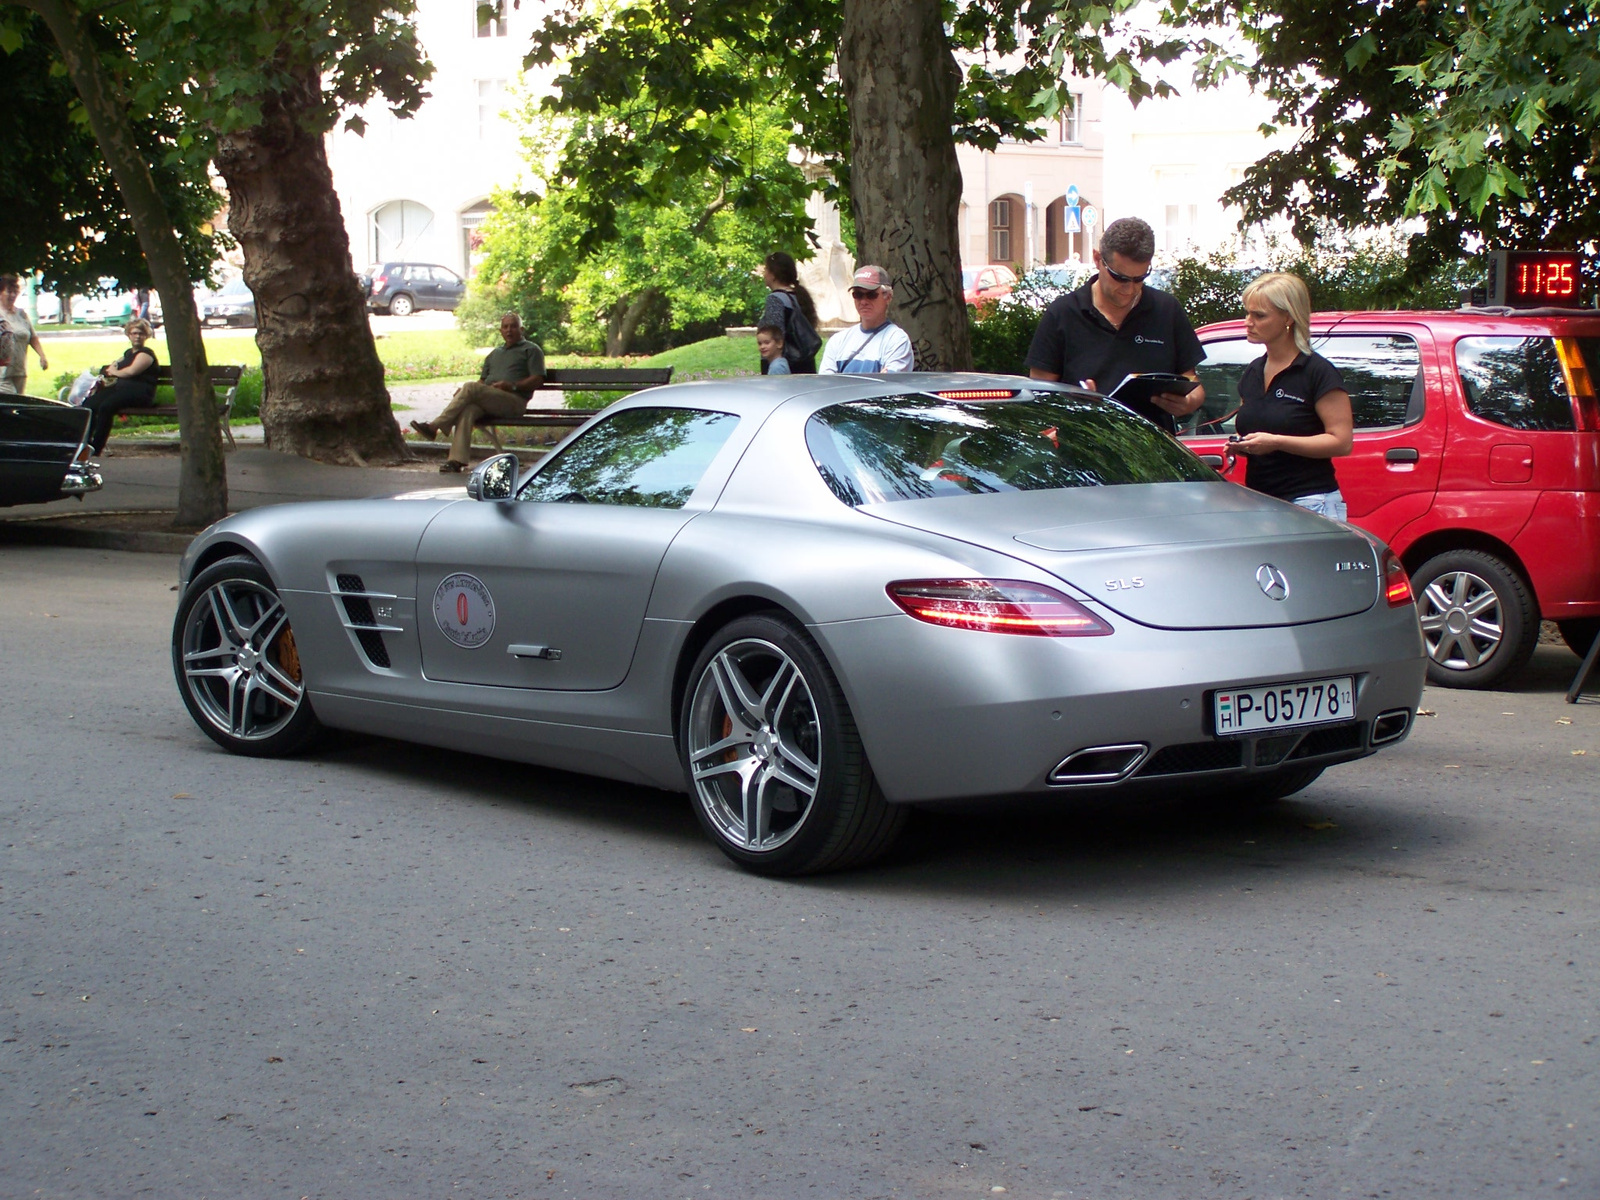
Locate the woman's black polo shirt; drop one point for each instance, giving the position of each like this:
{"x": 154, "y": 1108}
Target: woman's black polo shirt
{"x": 1290, "y": 409}
{"x": 1074, "y": 340}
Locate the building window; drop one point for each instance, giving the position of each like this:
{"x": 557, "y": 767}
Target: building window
{"x": 395, "y": 229}
{"x": 1182, "y": 222}
{"x": 491, "y": 103}
{"x": 1070, "y": 119}
{"x": 489, "y": 18}
{"x": 1000, "y": 231}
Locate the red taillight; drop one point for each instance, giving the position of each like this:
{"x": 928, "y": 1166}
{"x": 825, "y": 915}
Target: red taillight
{"x": 379, "y": 282}
{"x": 996, "y": 606}
{"x": 1396, "y": 583}
{"x": 978, "y": 394}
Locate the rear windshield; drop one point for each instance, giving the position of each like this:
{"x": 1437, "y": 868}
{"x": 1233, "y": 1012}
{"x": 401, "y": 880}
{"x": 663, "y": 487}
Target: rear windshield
{"x": 920, "y": 446}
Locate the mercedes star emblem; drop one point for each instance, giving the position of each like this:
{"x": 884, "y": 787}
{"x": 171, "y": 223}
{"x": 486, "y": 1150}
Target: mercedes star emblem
{"x": 1273, "y": 582}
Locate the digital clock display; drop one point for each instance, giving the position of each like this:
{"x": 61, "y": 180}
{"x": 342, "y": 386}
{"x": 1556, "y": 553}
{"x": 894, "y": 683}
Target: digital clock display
{"x": 1536, "y": 279}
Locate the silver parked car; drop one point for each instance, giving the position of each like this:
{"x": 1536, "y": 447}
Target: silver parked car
{"x": 812, "y": 601}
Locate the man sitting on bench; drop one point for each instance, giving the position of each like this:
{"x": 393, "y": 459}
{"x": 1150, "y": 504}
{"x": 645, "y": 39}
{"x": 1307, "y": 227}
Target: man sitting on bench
{"x": 511, "y": 373}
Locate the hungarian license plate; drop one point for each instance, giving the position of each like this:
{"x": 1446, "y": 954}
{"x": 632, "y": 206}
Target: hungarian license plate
{"x": 216, "y": 320}
{"x": 1284, "y": 705}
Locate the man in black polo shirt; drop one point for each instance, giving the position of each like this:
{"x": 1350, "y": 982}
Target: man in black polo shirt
{"x": 1115, "y": 326}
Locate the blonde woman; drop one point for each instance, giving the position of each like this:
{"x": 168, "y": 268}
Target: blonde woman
{"x": 1294, "y": 416}
{"x": 130, "y": 382}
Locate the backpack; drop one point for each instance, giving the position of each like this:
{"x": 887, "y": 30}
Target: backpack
{"x": 6, "y": 344}
{"x": 800, "y": 341}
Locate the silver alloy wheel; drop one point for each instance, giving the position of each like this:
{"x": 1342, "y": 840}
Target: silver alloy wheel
{"x": 754, "y": 744}
{"x": 240, "y": 663}
{"x": 400, "y": 306}
{"x": 1462, "y": 622}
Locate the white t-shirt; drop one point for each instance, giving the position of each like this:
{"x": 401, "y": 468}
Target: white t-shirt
{"x": 886, "y": 348}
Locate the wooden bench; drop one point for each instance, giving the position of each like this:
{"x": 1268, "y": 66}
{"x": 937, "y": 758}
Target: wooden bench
{"x": 225, "y": 379}
{"x": 577, "y": 379}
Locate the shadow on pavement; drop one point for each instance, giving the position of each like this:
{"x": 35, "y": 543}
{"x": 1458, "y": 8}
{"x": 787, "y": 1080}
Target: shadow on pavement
{"x": 1055, "y": 848}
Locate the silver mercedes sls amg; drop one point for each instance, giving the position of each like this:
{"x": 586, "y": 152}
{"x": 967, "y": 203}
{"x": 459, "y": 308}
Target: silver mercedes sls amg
{"x": 813, "y": 601}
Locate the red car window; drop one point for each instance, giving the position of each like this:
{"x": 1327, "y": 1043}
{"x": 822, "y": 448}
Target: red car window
{"x": 1517, "y": 382}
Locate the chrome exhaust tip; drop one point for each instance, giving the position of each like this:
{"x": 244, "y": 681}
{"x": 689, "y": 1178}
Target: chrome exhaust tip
{"x": 1099, "y": 764}
{"x": 1391, "y": 726}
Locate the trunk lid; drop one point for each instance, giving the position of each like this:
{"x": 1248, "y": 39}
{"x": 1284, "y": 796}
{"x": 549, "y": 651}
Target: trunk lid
{"x": 1170, "y": 555}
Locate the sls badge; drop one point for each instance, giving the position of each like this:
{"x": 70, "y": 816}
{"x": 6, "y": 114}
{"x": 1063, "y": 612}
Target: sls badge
{"x": 464, "y": 611}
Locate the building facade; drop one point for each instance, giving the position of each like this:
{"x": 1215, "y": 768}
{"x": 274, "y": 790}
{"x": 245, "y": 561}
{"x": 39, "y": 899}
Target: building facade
{"x": 417, "y": 189}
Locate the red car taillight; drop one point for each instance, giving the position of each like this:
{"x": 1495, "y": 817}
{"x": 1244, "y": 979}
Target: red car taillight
{"x": 379, "y": 282}
{"x": 996, "y": 606}
{"x": 1396, "y": 583}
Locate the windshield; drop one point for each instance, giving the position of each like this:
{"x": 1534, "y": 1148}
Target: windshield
{"x": 969, "y": 276}
{"x": 234, "y": 287}
{"x": 920, "y": 446}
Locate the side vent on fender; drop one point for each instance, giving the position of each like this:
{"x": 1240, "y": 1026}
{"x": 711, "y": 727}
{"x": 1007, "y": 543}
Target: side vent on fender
{"x": 357, "y": 602}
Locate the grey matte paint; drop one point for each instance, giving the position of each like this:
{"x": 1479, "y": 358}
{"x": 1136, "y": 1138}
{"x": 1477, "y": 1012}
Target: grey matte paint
{"x": 943, "y": 713}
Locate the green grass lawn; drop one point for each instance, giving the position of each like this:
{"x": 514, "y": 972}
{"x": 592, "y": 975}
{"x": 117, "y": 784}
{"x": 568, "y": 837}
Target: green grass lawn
{"x": 431, "y": 356}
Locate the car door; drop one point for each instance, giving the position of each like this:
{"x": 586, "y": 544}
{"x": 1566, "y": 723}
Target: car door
{"x": 448, "y": 288}
{"x": 424, "y": 291}
{"x": 549, "y": 590}
{"x": 1397, "y": 402}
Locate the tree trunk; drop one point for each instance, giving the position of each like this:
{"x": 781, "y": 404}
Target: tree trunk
{"x": 323, "y": 396}
{"x": 202, "y": 472}
{"x": 900, "y": 83}
{"x": 624, "y": 323}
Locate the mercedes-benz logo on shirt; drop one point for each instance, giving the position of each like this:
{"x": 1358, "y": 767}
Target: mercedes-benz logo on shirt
{"x": 1274, "y": 584}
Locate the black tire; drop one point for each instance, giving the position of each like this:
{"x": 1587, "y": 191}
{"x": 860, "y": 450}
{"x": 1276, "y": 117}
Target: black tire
{"x": 1578, "y": 633}
{"x": 764, "y": 719}
{"x": 401, "y": 305}
{"x": 1479, "y": 620}
{"x": 237, "y": 665}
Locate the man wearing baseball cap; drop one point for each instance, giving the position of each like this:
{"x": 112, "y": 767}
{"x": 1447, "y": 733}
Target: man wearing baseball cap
{"x": 877, "y": 343}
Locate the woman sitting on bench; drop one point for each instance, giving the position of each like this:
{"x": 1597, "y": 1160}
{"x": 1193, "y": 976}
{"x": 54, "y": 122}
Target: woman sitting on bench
{"x": 130, "y": 382}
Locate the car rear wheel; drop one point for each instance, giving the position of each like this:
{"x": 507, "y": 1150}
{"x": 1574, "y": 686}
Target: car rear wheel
{"x": 1479, "y": 621}
{"x": 1578, "y": 633}
{"x": 237, "y": 664}
{"x": 772, "y": 756}
{"x": 401, "y": 306}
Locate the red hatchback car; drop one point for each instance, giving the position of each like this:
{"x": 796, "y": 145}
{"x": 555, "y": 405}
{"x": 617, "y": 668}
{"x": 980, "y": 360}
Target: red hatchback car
{"x": 1476, "y": 458}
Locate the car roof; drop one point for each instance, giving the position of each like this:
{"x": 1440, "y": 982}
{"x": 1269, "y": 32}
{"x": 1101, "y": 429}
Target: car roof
{"x": 1451, "y": 321}
{"x": 755, "y": 395}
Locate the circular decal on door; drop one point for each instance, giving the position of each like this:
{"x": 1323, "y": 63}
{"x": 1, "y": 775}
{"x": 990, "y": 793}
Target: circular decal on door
{"x": 464, "y": 611}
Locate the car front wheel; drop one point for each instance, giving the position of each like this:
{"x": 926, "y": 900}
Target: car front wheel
{"x": 237, "y": 664}
{"x": 401, "y": 306}
{"x": 772, "y": 756}
{"x": 1479, "y": 621}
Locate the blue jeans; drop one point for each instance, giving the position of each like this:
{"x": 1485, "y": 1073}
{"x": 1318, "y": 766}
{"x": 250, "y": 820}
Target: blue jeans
{"x": 1328, "y": 504}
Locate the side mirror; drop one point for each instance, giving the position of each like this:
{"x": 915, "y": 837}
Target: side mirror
{"x": 494, "y": 478}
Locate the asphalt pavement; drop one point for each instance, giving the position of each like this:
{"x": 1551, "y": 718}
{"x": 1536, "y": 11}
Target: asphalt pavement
{"x": 382, "y": 970}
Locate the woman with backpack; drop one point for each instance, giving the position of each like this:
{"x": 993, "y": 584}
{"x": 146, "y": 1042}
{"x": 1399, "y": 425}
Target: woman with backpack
{"x": 790, "y": 307}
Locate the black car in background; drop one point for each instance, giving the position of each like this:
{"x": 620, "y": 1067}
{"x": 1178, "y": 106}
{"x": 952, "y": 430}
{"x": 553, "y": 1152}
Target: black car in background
{"x": 44, "y": 451}
{"x": 233, "y": 304}
{"x": 402, "y": 288}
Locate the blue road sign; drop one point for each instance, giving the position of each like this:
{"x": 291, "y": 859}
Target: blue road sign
{"x": 1072, "y": 196}
{"x": 1072, "y": 222}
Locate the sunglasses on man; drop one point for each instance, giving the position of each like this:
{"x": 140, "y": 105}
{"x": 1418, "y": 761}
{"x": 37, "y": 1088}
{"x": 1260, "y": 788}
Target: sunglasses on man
{"x": 865, "y": 293}
{"x": 1121, "y": 278}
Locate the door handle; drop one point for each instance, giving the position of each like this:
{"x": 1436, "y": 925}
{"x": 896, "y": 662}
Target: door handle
{"x": 1402, "y": 454}
{"x": 549, "y": 653}
{"x": 1214, "y": 461}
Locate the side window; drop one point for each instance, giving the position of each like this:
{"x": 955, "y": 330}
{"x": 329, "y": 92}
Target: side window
{"x": 445, "y": 275}
{"x": 1383, "y": 374}
{"x": 1515, "y": 382}
{"x": 1219, "y": 374}
{"x": 644, "y": 457}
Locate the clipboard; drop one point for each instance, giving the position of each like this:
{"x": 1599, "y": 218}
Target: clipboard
{"x": 1138, "y": 389}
